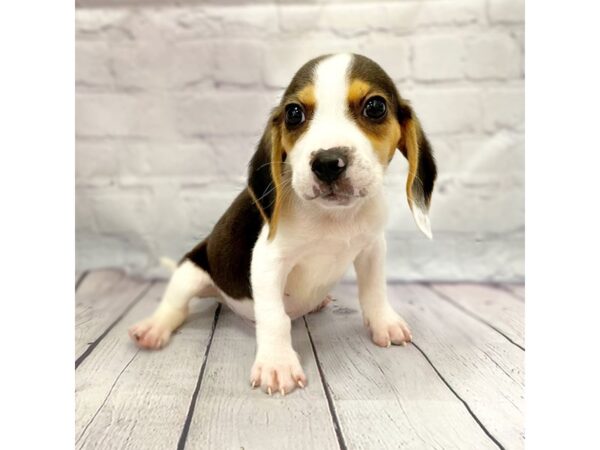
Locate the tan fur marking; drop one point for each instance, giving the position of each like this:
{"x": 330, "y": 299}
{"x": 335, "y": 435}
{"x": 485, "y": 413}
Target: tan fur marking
{"x": 412, "y": 150}
{"x": 386, "y": 143}
{"x": 358, "y": 90}
{"x": 307, "y": 96}
{"x": 385, "y": 136}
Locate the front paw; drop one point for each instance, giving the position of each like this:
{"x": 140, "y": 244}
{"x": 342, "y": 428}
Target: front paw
{"x": 277, "y": 371}
{"x": 388, "y": 328}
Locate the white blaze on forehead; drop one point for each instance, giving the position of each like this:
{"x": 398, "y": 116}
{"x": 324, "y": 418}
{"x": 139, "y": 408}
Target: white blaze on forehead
{"x": 331, "y": 87}
{"x": 331, "y": 126}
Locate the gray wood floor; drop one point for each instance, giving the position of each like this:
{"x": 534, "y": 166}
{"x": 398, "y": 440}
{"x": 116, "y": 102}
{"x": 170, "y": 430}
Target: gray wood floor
{"x": 459, "y": 385}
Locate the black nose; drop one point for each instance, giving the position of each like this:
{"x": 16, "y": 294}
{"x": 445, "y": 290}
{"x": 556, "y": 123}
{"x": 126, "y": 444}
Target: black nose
{"x": 329, "y": 164}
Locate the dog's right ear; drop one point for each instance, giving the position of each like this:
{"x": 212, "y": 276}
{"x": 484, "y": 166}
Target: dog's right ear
{"x": 265, "y": 172}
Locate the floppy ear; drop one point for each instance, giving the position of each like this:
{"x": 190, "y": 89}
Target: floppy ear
{"x": 265, "y": 173}
{"x": 421, "y": 166}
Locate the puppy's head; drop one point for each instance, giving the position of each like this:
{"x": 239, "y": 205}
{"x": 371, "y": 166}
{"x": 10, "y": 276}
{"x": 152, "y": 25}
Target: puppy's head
{"x": 332, "y": 137}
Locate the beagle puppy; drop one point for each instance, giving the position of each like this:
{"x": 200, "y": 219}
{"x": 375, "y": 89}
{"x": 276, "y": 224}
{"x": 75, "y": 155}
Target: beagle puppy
{"x": 312, "y": 207}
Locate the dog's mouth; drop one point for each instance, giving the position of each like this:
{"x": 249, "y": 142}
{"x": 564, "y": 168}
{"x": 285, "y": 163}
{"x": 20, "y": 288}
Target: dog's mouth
{"x": 335, "y": 194}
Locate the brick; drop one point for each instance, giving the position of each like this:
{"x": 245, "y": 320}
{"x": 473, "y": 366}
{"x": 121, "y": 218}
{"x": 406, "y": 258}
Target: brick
{"x": 140, "y": 65}
{"x": 160, "y": 65}
{"x": 506, "y": 11}
{"x": 464, "y": 204}
{"x": 438, "y": 58}
{"x": 238, "y": 62}
{"x": 95, "y": 159}
{"x": 191, "y": 63}
{"x": 84, "y": 217}
{"x": 447, "y": 110}
{"x": 495, "y": 157}
{"x": 493, "y": 56}
{"x": 123, "y": 115}
{"x": 246, "y": 20}
{"x": 107, "y": 24}
{"x": 295, "y": 18}
{"x": 189, "y": 23}
{"x": 451, "y": 257}
{"x": 480, "y": 204}
{"x": 233, "y": 153}
{"x": 203, "y": 207}
{"x": 353, "y": 19}
{"x": 450, "y": 12}
{"x": 167, "y": 159}
{"x": 224, "y": 113}
{"x": 504, "y": 108}
{"x": 347, "y": 20}
{"x": 393, "y": 57}
{"x": 92, "y": 65}
{"x": 282, "y": 60}
{"x": 123, "y": 212}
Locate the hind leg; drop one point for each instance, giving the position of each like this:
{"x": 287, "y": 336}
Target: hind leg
{"x": 187, "y": 281}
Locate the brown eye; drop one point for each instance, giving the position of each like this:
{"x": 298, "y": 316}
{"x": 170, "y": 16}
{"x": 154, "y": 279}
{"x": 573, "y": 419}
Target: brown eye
{"x": 294, "y": 115}
{"x": 375, "y": 108}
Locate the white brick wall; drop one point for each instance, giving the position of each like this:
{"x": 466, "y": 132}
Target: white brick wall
{"x": 171, "y": 100}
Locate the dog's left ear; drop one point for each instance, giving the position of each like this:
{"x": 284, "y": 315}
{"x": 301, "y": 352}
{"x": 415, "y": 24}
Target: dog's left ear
{"x": 265, "y": 173}
{"x": 421, "y": 166}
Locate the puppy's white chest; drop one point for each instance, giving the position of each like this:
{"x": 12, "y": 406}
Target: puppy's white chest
{"x": 321, "y": 266}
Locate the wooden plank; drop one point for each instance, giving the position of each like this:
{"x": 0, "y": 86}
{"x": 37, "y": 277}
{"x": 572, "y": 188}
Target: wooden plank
{"x": 79, "y": 274}
{"x": 386, "y": 397}
{"x": 229, "y": 414}
{"x": 495, "y": 306}
{"x": 131, "y": 398}
{"x": 102, "y": 298}
{"x": 517, "y": 289}
{"x": 482, "y": 367}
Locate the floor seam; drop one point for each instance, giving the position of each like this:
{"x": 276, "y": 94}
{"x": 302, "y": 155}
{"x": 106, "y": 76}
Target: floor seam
{"x": 81, "y": 278}
{"x": 95, "y": 343}
{"x": 469, "y": 410}
{"x": 471, "y": 314}
{"x": 331, "y": 406}
{"x": 190, "y": 414}
{"x": 107, "y": 396}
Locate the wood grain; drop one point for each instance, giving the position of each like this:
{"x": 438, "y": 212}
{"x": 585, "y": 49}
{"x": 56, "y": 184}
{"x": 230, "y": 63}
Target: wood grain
{"x": 79, "y": 274}
{"x": 386, "y": 397}
{"x": 495, "y": 306}
{"x": 131, "y": 398}
{"x": 230, "y": 415}
{"x": 481, "y": 366}
{"x": 102, "y": 297}
{"x": 517, "y": 289}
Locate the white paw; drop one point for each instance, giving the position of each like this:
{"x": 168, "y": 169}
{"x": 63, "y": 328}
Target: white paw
{"x": 277, "y": 371}
{"x": 388, "y": 328}
{"x": 151, "y": 333}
